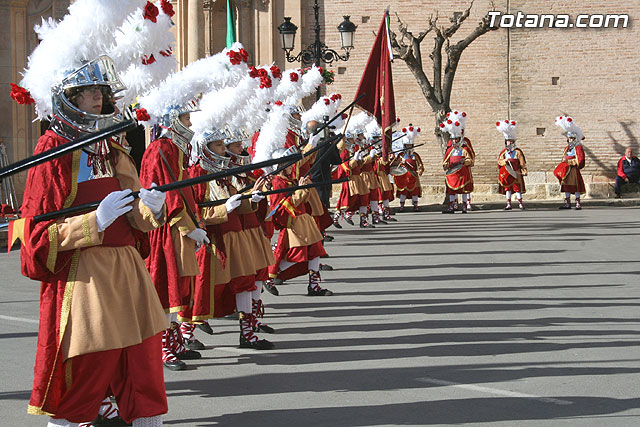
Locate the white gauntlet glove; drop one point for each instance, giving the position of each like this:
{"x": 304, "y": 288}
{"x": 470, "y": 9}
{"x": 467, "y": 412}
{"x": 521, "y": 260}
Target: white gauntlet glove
{"x": 314, "y": 139}
{"x": 358, "y": 156}
{"x": 111, "y": 207}
{"x": 153, "y": 199}
{"x": 232, "y": 203}
{"x": 199, "y": 235}
{"x": 256, "y": 197}
{"x": 373, "y": 153}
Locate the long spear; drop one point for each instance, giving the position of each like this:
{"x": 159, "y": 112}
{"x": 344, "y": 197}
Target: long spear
{"x": 67, "y": 148}
{"x": 169, "y": 187}
{"x": 279, "y": 190}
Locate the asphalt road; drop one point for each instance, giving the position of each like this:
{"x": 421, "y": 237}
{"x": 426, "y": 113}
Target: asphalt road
{"x": 491, "y": 318}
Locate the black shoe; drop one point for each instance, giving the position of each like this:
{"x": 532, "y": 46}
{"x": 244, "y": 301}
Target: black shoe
{"x": 325, "y": 267}
{"x": 318, "y": 293}
{"x": 325, "y": 256}
{"x": 264, "y": 328}
{"x": 113, "y": 422}
{"x": 337, "y": 225}
{"x": 256, "y": 345}
{"x": 328, "y": 238}
{"x": 193, "y": 344}
{"x": 271, "y": 288}
{"x": 176, "y": 365}
{"x": 205, "y": 327}
{"x": 189, "y": 355}
{"x": 448, "y": 211}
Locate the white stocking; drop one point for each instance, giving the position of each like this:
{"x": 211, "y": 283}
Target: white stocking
{"x": 284, "y": 264}
{"x": 314, "y": 264}
{"x": 374, "y": 205}
{"x": 414, "y": 198}
{"x": 243, "y": 302}
{"x": 385, "y": 203}
{"x": 148, "y": 422}
{"x": 464, "y": 198}
{"x": 172, "y": 317}
{"x": 518, "y": 195}
{"x": 452, "y": 197}
{"x": 508, "y": 193}
{"x": 363, "y": 210}
{"x": 257, "y": 294}
{"x": 402, "y": 198}
{"x": 577, "y": 195}
{"x": 567, "y": 195}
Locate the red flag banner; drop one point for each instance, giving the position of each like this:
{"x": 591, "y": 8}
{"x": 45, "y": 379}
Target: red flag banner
{"x": 377, "y": 83}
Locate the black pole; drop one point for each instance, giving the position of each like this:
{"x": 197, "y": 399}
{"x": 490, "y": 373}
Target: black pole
{"x": 170, "y": 187}
{"x": 67, "y": 148}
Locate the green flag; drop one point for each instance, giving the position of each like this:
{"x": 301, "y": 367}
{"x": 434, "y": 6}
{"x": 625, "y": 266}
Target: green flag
{"x": 231, "y": 24}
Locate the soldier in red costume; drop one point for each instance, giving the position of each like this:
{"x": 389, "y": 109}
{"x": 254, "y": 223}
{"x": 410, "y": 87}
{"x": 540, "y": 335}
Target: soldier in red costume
{"x": 512, "y": 165}
{"x": 408, "y": 183}
{"x": 236, "y": 266}
{"x": 568, "y": 171}
{"x": 299, "y": 245}
{"x": 100, "y": 317}
{"x": 457, "y": 162}
{"x": 172, "y": 262}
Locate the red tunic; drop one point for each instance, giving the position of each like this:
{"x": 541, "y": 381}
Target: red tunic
{"x": 174, "y": 291}
{"x": 281, "y": 219}
{"x": 408, "y": 184}
{"x": 52, "y": 186}
{"x": 347, "y": 200}
{"x": 460, "y": 181}
{"x": 573, "y": 182}
{"x": 518, "y": 183}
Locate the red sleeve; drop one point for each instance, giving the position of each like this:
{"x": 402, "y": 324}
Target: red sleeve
{"x": 621, "y": 173}
{"x": 580, "y": 156}
{"x": 282, "y": 214}
{"x": 47, "y": 189}
{"x": 153, "y": 169}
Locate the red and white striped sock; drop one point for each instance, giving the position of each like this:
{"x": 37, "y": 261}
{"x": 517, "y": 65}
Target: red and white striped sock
{"x": 186, "y": 329}
{"x": 167, "y": 344}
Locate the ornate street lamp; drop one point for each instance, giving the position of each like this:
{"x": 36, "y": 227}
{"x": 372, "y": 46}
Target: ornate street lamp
{"x": 317, "y": 52}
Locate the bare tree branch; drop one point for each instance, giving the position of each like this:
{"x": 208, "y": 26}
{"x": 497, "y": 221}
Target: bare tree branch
{"x": 457, "y": 21}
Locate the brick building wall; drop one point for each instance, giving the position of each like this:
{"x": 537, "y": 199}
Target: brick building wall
{"x": 509, "y": 72}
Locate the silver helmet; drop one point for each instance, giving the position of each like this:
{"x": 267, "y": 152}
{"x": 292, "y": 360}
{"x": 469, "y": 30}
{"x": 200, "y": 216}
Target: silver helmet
{"x": 174, "y": 129}
{"x": 510, "y": 145}
{"x": 243, "y": 158}
{"x": 67, "y": 119}
{"x": 209, "y": 160}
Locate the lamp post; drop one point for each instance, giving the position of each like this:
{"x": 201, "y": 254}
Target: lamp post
{"x": 317, "y": 52}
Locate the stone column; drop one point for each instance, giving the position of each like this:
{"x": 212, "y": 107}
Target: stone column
{"x": 195, "y": 30}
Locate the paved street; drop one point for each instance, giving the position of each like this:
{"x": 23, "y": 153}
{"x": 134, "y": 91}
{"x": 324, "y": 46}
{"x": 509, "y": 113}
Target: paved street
{"x": 491, "y": 318}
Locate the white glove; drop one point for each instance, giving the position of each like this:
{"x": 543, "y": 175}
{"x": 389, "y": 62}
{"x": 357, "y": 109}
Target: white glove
{"x": 373, "y": 153}
{"x": 111, "y": 207}
{"x": 153, "y": 199}
{"x": 199, "y": 235}
{"x": 358, "y": 155}
{"x": 314, "y": 139}
{"x": 232, "y": 202}
{"x": 256, "y": 197}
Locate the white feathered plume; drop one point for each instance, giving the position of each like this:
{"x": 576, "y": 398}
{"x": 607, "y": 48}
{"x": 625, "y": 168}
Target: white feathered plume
{"x": 273, "y": 133}
{"x": 143, "y": 48}
{"x": 85, "y": 33}
{"x": 507, "y": 128}
{"x": 567, "y": 124}
{"x": 223, "y": 69}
